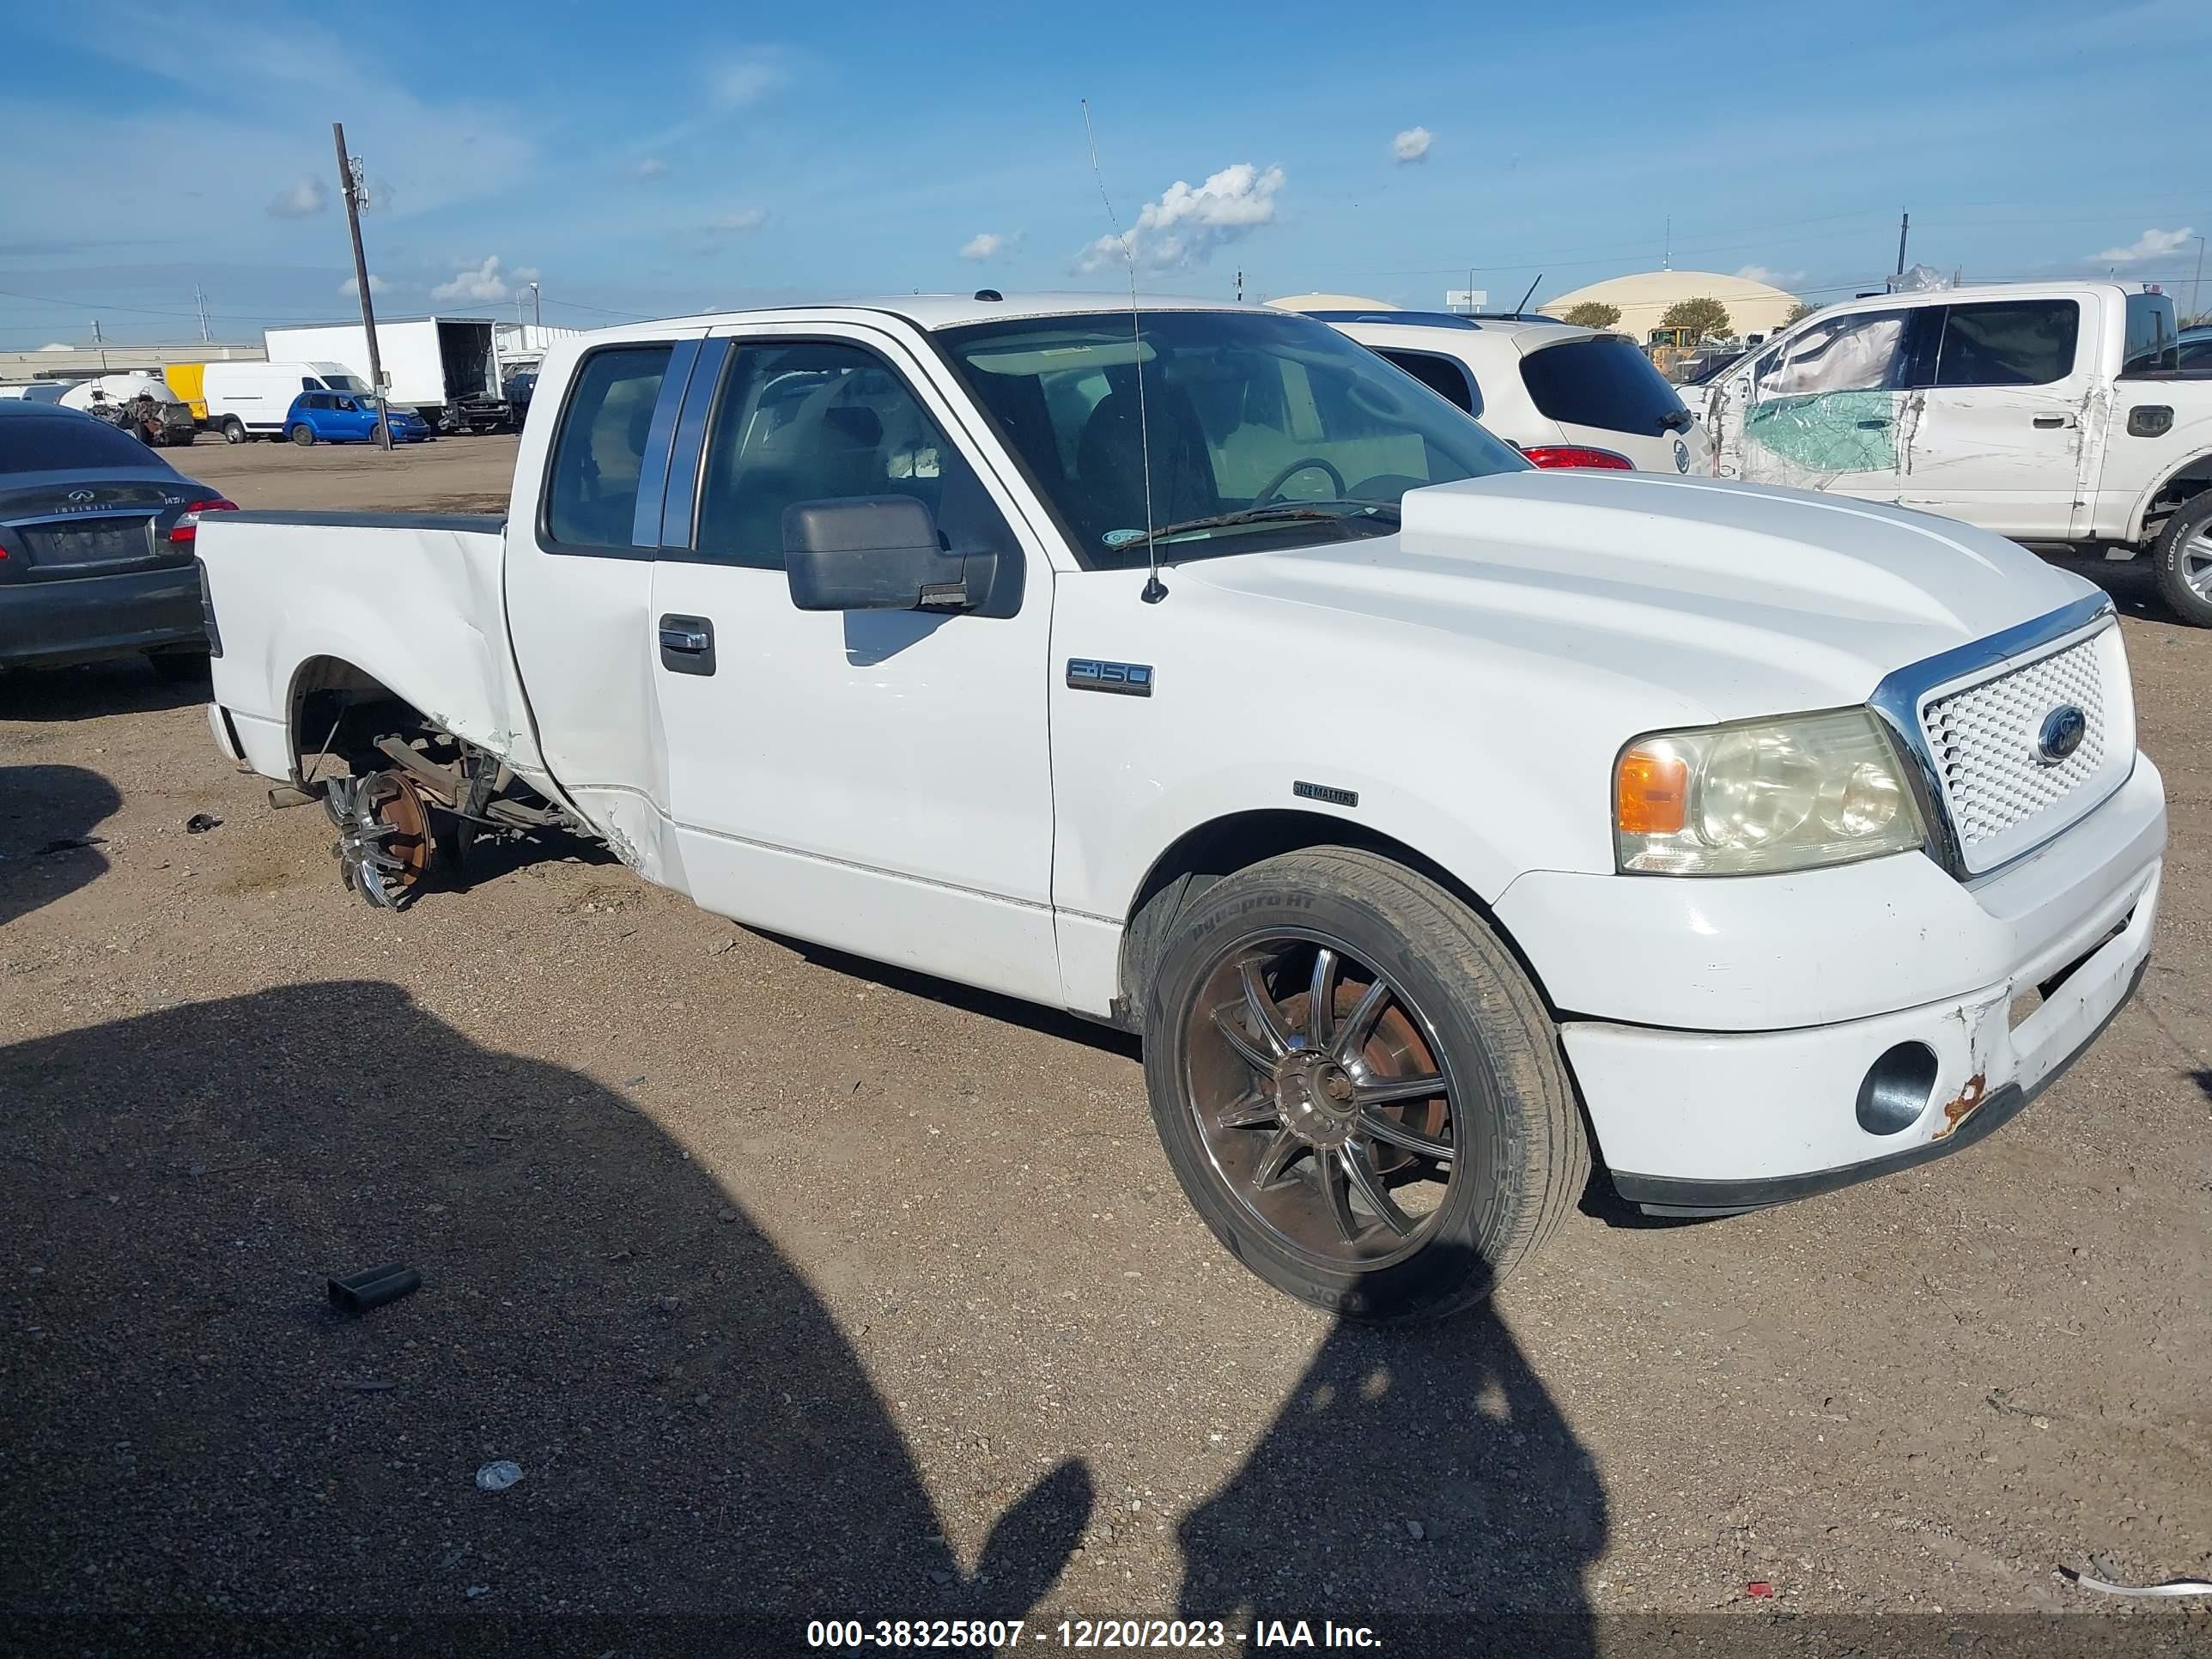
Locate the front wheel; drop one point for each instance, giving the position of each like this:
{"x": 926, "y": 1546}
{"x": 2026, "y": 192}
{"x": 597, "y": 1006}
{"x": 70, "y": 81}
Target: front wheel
{"x": 303, "y": 434}
{"x": 2182, "y": 561}
{"x": 1358, "y": 1088}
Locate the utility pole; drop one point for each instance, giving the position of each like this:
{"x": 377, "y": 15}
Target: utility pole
{"x": 199, "y": 304}
{"x": 2196, "y": 285}
{"x": 1903, "y": 224}
{"x": 349, "y": 182}
{"x": 1240, "y": 287}
{"x": 1666, "y": 253}
{"x": 537, "y": 312}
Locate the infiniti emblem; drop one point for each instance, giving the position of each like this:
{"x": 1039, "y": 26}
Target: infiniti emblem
{"x": 2064, "y": 728}
{"x": 80, "y": 495}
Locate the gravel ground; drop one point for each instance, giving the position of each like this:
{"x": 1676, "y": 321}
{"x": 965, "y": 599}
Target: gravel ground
{"x": 805, "y": 1288}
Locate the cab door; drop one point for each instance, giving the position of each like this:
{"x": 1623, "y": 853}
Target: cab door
{"x": 876, "y": 781}
{"x": 1824, "y": 408}
{"x": 582, "y": 530}
{"x": 1997, "y": 436}
{"x": 347, "y": 420}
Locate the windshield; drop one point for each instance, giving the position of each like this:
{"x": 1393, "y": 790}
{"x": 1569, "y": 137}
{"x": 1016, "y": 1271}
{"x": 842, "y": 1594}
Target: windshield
{"x": 1264, "y": 429}
{"x": 345, "y": 383}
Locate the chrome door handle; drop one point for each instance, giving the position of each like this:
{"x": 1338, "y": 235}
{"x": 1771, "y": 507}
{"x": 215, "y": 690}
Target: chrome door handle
{"x": 687, "y": 645}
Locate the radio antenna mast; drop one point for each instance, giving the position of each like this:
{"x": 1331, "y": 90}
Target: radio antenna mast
{"x": 1155, "y": 590}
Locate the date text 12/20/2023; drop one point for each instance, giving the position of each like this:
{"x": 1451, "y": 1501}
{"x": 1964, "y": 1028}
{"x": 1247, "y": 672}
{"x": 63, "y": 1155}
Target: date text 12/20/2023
{"x": 1200, "y": 1635}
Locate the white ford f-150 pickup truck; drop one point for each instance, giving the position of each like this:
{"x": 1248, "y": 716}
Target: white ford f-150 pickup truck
{"x": 1433, "y": 819}
{"x": 2058, "y": 414}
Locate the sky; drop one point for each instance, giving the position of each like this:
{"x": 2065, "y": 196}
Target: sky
{"x": 652, "y": 158}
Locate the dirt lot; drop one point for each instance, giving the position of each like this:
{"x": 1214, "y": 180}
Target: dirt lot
{"x": 805, "y": 1289}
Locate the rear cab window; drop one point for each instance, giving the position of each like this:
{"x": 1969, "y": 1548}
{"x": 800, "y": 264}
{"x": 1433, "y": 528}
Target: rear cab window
{"x": 2009, "y": 342}
{"x": 591, "y": 483}
{"x": 1602, "y": 382}
{"x": 1445, "y": 376}
{"x": 2153, "y": 345}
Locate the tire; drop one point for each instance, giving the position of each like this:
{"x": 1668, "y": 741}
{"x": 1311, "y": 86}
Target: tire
{"x": 2181, "y": 561}
{"x": 1293, "y": 1204}
{"x": 303, "y": 434}
{"x": 234, "y": 430}
{"x": 185, "y": 440}
{"x": 179, "y": 667}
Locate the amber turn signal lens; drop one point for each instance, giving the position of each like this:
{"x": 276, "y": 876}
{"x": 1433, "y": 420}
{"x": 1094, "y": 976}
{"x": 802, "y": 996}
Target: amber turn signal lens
{"x": 1650, "y": 793}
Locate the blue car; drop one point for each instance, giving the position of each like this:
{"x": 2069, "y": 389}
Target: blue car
{"x": 339, "y": 418}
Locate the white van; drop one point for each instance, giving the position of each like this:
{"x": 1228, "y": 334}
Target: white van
{"x": 251, "y": 400}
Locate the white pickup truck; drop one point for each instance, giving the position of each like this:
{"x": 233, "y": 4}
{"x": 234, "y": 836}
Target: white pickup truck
{"x": 2058, "y": 414}
{"x": 1432, "y": 818}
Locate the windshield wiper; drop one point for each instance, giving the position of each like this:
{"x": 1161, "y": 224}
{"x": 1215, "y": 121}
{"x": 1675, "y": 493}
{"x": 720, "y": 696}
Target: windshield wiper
{"x": 1283, "y": 513}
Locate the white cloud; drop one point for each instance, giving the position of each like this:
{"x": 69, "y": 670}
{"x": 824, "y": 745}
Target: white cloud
{"x": 1771, "y": 278}
{"x": 351, "y": 289}
{"x": 2151, "y": 245}
{"x": 651, "y": 167}
{"x": 299, "y": 199}
{"x": 740, "y": 223}
{"x": 58, "y": 345}
{"x": 1412, "y": 144}
{"x": 484, "y": 282}
{"x": 1186, "y": 225}
{"x": 746, "y": 78}
{"x": 986, "y": 245}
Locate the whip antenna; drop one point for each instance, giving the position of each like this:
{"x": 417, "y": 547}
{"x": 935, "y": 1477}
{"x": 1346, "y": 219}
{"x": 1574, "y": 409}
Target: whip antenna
{"x": 1155, "y": 590}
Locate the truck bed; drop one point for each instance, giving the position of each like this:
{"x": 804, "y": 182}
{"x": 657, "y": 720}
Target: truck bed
{"x": 412, "y": 600}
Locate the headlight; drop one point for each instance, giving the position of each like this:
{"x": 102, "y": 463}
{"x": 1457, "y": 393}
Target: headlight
{"x": 1762, "y": 796}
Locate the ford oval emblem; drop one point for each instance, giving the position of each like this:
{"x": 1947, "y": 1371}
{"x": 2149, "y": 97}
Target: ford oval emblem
{"x": 2064, "y": 728}
{"x": 1681, "y": 456}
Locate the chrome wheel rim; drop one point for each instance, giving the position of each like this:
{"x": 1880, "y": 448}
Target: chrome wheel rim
{"x": 2197, "y": 565}
{"x": 1337, "y": 1134}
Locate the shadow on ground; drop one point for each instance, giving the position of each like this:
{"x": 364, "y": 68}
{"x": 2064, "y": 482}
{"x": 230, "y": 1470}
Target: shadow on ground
{"x": 122, "y": 686}
{"x": 1425, "y": 1478}
{"x": 48, "y": 847}
{"x": 195, "y": 1444}
{"x": 192, "y": 1435}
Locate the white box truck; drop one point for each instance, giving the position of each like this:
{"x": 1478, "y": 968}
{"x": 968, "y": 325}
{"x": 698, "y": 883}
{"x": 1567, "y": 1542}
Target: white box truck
{"x": 444, "y": 369}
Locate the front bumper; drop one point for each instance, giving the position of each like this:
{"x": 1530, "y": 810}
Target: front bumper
{"x": 52, "y": 624}
{"x": 1808, "y": 980}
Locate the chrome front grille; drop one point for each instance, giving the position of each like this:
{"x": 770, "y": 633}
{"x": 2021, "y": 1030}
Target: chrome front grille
{"x": 1984, "y": 741}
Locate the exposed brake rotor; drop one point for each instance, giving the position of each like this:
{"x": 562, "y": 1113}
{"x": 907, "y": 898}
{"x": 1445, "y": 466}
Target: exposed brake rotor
{"x": 1394, "y": 1049}
{"x": 385, "y": 847}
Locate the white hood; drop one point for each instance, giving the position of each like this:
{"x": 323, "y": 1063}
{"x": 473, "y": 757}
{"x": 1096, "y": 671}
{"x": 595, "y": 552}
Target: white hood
{"x": 1737, "y": 599}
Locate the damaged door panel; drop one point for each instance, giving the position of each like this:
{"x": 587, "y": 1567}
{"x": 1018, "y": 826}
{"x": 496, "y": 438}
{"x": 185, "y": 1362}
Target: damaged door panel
{"x": 1999, "y": 425}
{"x": 1822, "y": 409}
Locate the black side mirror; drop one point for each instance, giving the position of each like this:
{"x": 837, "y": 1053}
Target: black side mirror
{"x": 876, "y": 553}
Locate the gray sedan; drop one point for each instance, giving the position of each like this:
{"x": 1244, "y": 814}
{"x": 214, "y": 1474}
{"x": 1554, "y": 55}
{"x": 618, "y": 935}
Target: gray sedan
{"x": 96, "y": 545}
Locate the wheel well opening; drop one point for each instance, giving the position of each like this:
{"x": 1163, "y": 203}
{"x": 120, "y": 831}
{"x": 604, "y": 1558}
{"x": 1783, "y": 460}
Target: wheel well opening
{"x": 1204, "y": 855}
{"x": 2177, "y": 492}
{"x": 338, "y": 713}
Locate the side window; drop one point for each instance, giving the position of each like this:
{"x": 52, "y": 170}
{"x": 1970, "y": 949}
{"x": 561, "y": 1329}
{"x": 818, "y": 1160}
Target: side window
{"x": 2151, "y": 345}
{"x": 1442, "y": 375}
{"x": 591, "y": 493}
{"x": 309, "y": 383}
{"x": 820, "y": 421}
{"x": 2009, "y": 342}
{"x": 1861, "y": 351}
